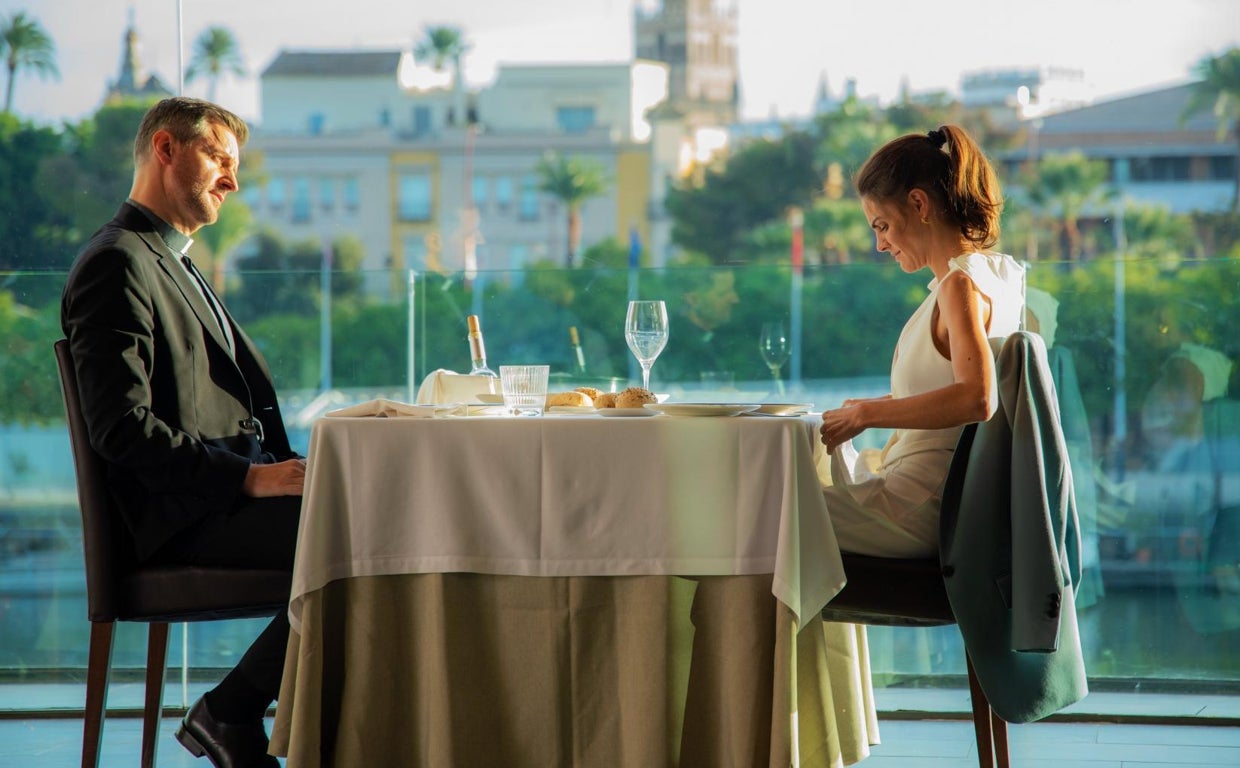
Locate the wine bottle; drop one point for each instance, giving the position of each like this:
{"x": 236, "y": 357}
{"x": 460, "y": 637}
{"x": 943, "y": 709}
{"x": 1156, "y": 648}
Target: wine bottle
{"x": 576, "y": 342}
{"x": 478, "y": 350}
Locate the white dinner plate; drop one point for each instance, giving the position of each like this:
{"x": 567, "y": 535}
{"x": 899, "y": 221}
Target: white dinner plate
{"x": 571, "y": 409}
{"x": 490, "y": 399}
{"x": 785, "y": 409}
{"x": 623, "y": 412}
{"x": 701, "y": 409}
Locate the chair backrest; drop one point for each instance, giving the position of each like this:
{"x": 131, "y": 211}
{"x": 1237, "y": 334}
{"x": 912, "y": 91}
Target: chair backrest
{"x": 106, "y": 549}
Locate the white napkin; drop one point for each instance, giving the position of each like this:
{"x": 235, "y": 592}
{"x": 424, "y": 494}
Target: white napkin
{"x": 444, "y": 386}
{"x": 383, "y": 407}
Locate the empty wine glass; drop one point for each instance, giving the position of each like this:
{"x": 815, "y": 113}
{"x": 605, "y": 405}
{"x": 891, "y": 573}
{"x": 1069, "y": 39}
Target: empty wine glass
{"x": 645, "y": 330}
{"x": 775, "y": 349}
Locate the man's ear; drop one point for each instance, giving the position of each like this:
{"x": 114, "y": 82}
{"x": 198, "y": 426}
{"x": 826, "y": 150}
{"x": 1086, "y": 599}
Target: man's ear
{"x": 162, "y": 145}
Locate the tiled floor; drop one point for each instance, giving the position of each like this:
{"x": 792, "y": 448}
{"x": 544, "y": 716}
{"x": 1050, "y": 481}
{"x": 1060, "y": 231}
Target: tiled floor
{"x": 906, "y": 744}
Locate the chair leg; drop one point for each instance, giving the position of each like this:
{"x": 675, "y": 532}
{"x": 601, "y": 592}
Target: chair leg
{"x": 981, "y": 719}
{"x": 99, "y": 663}
{"x": 998, "y": 728}
{"x": 156, "y": 659}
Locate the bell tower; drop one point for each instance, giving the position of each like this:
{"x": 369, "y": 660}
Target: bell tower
{"x": 697, "y": 41}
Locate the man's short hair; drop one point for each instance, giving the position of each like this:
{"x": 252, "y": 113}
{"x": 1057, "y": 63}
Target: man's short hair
{"x": 186, "y": 119}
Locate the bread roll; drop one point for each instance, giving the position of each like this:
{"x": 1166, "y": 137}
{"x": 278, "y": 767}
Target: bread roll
{"x": 605, "y": 400}
{"x": 589, "y": 392}
{"x": 576, "y": 399}
{"x": 635, "y": 397}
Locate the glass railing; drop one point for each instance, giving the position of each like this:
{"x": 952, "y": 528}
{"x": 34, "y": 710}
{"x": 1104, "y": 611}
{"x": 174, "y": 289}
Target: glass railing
{"x": 1143, "y": 359}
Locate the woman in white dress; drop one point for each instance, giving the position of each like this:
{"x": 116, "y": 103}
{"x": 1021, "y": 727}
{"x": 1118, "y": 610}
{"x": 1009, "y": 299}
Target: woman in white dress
{"x": 933, "y": 202}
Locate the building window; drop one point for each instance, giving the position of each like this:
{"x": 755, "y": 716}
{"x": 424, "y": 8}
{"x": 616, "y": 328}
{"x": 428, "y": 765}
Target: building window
{"x": 414, "y": 197}
{"x": 1159, "y": 168}
{"x": 352, "y": 194}
{"x": 421, "y": 120}
{"x": 327, "y": 193}
{"x": 527, "y": 206}
{"x": 275, "y": 193}
{"x": 252, "y": 195}
{"x": 1222, "y": 167}
{"x": 301, "y": 199}
{"x": 479, "y": 185}
{"x": 315, "y": 123}
{"x": 503, "y": 192}
{"x": 574, "y": 119}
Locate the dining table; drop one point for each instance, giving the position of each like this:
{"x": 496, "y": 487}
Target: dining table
{"x": 476, "y": 589}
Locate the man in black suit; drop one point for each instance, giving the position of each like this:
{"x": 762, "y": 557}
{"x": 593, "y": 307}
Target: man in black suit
{"x": 180, "y": 403}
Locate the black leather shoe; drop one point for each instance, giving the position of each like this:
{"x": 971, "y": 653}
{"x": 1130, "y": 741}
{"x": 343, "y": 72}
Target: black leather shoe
{"x": 226, "y": 745}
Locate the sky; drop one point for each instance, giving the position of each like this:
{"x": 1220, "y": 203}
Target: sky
{"x": 785, "y": 46}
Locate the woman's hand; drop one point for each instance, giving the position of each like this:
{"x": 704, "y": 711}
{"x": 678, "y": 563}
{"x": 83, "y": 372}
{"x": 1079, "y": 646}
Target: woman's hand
{"x": 846, "y": 422}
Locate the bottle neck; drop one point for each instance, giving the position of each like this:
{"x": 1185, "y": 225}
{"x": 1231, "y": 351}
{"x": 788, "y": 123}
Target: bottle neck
{"x": 478, "y": 356}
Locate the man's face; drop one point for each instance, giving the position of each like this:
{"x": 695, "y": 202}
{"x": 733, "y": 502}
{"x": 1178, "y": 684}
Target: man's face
{"x": 203, "y": 171}
{"x": 711, "y": 306}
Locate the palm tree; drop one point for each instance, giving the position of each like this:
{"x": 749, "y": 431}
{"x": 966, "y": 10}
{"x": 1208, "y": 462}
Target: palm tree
{"x": 233, "y": 227}
{"x": 572, "y": 181}
{"x": 439, "y": 46}
{"x": 215, "y": 53}
{"x": 24, "y": 43}
{"x": 1063, "y": 187}
{"x": 1219, "y": 90}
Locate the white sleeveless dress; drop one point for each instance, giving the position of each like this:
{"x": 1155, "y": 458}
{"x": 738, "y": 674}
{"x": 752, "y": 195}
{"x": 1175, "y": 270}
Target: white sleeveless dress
{"x": 886, "y": 503}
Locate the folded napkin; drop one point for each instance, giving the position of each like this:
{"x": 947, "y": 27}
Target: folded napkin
{"x": 444, "y": 386}
{"x": 394, "y": 408}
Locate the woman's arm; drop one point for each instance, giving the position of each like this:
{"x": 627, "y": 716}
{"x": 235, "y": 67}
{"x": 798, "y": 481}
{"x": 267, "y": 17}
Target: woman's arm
{"x": 963, "y": 314}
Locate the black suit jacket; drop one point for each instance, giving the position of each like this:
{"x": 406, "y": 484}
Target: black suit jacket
{"x": 165, "y": 403}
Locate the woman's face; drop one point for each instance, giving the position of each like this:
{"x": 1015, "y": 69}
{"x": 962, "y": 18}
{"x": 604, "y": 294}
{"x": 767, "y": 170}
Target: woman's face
{"x": 897, "y": 231}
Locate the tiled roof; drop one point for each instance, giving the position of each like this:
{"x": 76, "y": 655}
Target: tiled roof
{"x": 1150, "y": 112}
{"x": 333, "y": 64}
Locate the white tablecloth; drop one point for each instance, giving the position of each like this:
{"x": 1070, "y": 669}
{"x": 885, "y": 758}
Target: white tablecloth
{"x": 418, "y": 635}
{"x": 568, "y": 496}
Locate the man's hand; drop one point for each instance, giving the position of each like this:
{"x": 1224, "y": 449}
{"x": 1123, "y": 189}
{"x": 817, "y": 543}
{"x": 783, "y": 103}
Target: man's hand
{"x": 285, "y": 478}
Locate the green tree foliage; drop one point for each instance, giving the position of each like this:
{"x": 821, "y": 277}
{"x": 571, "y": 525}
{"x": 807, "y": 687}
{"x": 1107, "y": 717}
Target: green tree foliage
{"x": 572, "y": 181}
{"x": 216, "y": 53}
{"x": 847, "y": 136}
{"x": 95, "y": 174}
{"x": 1219, "y": 91}
{"x": 24, "y": 44}
{"x": 714, "y": 209}
{"x": 28, "y": 393}
{"x": 284, "y": 278}
{"x": 34, "y": 230}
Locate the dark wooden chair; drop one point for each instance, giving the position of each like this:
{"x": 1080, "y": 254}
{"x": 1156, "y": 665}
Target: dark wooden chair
{"x": 119, "y": 589}
{"x": 911, "y": 593}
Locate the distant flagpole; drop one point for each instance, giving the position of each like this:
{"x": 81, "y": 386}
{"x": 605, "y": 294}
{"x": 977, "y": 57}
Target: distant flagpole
{"x": 635, "y": 256}
{"x": 325, "y": 316}
{"x": 796, "y": 220}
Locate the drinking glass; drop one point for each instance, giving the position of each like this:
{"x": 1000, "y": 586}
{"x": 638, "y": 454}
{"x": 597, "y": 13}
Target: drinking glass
{"x": 775, "y": 349}
{"x": 645, "y": 330}
{"x": 524, "y": 388}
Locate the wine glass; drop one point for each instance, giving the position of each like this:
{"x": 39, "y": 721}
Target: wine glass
{"x": 775, "y": 349}
{"x": 645, "y": 330}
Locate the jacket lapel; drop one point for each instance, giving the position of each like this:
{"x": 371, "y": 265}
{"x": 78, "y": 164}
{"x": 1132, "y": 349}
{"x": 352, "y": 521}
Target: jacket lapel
{"x": 169, "y": 263}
